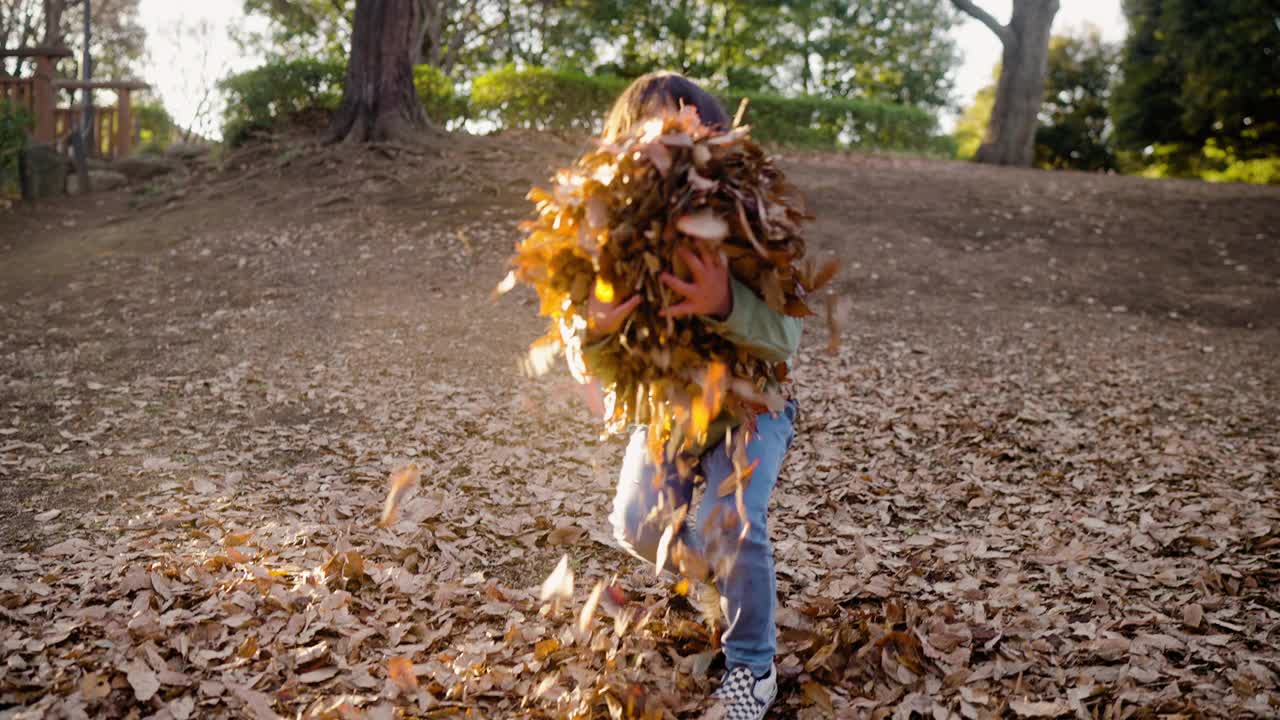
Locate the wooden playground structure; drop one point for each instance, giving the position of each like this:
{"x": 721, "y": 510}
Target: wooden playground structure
{"x": 114, "y": 130}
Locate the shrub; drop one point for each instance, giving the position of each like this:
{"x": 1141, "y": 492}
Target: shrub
{"x": 544, "y": 99}
{"x": 436, "y": 91}
{"x": 15, "y": 122}
{"x": 817, "y": 122}
{"x": 550, "y": 99}
{"x": 1213, "y": 163}
{"x": 156, "y": 128}
{"x": 263, "y": 99}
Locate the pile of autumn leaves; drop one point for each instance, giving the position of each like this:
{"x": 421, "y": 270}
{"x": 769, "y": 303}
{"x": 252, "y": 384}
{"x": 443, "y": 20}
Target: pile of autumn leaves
{"x": 611, "y": 225}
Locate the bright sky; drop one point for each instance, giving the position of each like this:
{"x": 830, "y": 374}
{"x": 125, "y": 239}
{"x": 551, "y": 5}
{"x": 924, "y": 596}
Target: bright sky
{"x": 182, "y": 72}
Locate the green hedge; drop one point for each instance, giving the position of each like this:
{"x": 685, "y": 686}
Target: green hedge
{"x": 260, "y": 100}
{"x": 435, "y": 89}
{"x": 547, "y": 99}
{"x": 564, "y": 99}
{"x": 544, "y": 99}
{"x": 817, "y": 122}
{"x": 14, "y": 124}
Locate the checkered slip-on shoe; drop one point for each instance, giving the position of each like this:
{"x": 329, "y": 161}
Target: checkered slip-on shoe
{"x": 743, "y": 696}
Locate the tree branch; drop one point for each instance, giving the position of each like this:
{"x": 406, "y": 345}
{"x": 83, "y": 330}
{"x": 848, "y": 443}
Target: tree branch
{"x": 967, "y": 7}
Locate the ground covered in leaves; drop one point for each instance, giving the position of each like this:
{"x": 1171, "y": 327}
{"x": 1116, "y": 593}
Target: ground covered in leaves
{"x": 1039, "y": 478}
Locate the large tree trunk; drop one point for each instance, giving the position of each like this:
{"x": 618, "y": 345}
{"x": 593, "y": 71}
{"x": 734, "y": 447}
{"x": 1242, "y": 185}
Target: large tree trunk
{"x": 379, "y": 102}
{"x": 1011, "y": 132}
{"x": 53, "y": 10}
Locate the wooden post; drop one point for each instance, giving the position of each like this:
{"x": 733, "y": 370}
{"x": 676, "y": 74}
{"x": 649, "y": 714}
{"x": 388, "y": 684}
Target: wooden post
{"x": 44, "y": 99}
{"x": 124, "y": 125}
{"x": 43, "y": 90}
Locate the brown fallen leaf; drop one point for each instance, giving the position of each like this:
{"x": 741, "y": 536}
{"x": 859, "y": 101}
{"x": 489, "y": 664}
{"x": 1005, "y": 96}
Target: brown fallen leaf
{"x": 142, "y": 679}
{"x": 94, "y": 687}
{"x": 1024, "y": 708}
{"x": 316, "y": 676}
{"x": 1192, "y": 615}
{"x": 258, "y": 703}
{"x": 818, "y": 695}
{"x": 182, "y": 707}
{"x": 399, "y": 483}
{"x": 566, "y": 535}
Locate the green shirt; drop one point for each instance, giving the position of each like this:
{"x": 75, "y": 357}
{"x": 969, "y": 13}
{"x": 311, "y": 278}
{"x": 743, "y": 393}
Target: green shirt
{"x": 751, "y": 325}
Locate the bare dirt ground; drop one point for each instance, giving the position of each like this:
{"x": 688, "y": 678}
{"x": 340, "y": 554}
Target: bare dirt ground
{"x": 1039, "y": 479}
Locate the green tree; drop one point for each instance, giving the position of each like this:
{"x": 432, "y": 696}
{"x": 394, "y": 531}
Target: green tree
{"x": 972, "y": 126}
{"x": 899, "y": 50}
{"x": 297, "y": 29}
{"x": 1200, "y": 74}
{"x": 1075, "y": 128}
{"x": 118, "y": 43}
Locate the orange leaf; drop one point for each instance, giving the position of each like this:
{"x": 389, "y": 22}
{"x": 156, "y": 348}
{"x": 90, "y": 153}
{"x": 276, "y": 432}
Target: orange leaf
{"x": 400, "y": 671}
{"x": 401, "y": 481}
{"x": 818, "y": 695}
{"x": 825, "y": 273}
{"x": 545, "y": 648}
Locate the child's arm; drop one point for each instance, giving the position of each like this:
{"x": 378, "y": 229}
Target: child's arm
{"x": 731, "y": 308}
{"x": 761, "y": 330}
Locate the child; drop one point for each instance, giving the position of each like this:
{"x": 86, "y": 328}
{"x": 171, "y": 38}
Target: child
{"x": 649, "y": 496}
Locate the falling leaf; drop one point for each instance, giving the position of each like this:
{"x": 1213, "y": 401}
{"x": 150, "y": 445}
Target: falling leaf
{"x": 704, "y": 224}
{"x": 506, "y": 285}
{"x": 604, "y": 290}
{"x": 597, "y": 214}
{"x": 589, "y": 608}
{"x": 559, "y": 584}
{"x": 400, "y": 482}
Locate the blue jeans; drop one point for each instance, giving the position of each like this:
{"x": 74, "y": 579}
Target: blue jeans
{"x": 649, "y": 495}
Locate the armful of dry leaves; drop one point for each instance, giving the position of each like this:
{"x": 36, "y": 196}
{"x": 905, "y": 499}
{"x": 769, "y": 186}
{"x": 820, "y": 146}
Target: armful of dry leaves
{"x": 613, "y": 223}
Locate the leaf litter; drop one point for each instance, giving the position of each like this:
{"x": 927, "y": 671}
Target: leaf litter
{"x": 1050, "y": 532}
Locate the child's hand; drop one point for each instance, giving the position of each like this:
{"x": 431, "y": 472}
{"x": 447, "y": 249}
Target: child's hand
{"x": 709, "y": 294}
{"x": 605, "y": 318}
